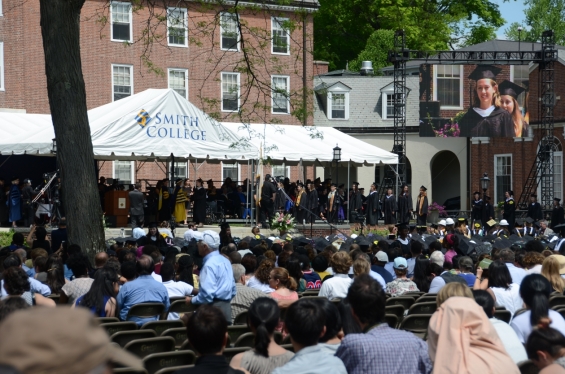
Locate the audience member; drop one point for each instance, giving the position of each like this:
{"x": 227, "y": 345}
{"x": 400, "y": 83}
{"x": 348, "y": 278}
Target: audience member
{"x": 101, "y": 298}
{"x": 546, "y": 349}
{"x": 260, "y": 279}
{"x": 55, "y": 274}
{"x": 551, "y": 269}
{"x": 266, "y": 354}
{"x": 517, "y": 274}
{"x": 174, "y": 289}
{"x": 283, "y": 284}
{"x": 331, "y": 339}
{"x": 16, "y": 284}
{"x": 81, "y": 283}
{"x": 100, "y": 260}
{"x": 244, "y": 296}
{"x": 10, "y": 305}
{"x": 143, "y": 289}
{"x": 305, "y": 322}
{"x": 421, "y": 278}
{"x": 453, "y": 289}
{"x": 506, "y": 334}
{"x": 465, "y": 266}
{"x": 320, "y": 266}
{"x": 505, "y": 292}
{"x": 401, "y": 284}
{"x": 381, "y": 260}
{"x": 348, "y": 321}
{"x": 207, "y": 332}
{"x": 36, "y": 287}
{"x": 380, "y": 349}
{"x": 461, "y": 339}
{"x": 533, "y": 261}
{"x": 336, "y": 287}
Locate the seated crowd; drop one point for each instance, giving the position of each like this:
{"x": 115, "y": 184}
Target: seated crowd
{"x": 345, "y": 329}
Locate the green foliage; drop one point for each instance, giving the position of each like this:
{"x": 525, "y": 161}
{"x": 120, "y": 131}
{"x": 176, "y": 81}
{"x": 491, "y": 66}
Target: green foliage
{"x": 343, "y": 27}
{"x": 541, "y": 15}
{"x": 6, "y": 238}
{"x": 376, "y": 50}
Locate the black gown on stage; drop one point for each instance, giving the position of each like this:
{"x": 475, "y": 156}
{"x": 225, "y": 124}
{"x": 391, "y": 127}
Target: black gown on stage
{"x": 389, "y": 209}
{"x": 373, "y": 209}
{"x": 422, "y": 215}
{"x": 556, "y": 217}
{"x": 498, "y": 124}
{"x": 404, "y": 208}
{"x": 199, "y": 205}
{"x": 534, "y": 211}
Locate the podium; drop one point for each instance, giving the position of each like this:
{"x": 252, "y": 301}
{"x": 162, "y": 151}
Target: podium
{"x": 116, "y": 204}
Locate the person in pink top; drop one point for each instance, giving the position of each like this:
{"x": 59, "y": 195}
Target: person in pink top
{"x": 451, "y": 243}
{"x": 285, "y": 289}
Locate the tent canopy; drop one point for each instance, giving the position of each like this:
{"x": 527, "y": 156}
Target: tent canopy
{"x": 310, "y": 144}
{"x": 152, "y": 124}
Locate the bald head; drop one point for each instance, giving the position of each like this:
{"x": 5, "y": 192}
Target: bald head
{"x": 144, "y": 265}
{"x": 100, "y": 259}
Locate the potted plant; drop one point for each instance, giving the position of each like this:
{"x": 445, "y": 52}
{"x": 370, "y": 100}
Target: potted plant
{"x": 499, "y": 208}
{"x": 435, "y": 211}
{"x": 283, "y": 223}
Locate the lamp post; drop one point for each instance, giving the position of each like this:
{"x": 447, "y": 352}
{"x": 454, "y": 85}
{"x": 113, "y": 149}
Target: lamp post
{"x": 336, "y": 158}
{"x": 485, "y": 181}
{"x": 519, "y": 37}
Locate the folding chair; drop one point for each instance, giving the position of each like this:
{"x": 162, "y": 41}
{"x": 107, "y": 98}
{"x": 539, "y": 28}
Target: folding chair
{"x": 173, "y": 369}
{"x": 427, "y": 299}
{"x": 146, "y": 310}
{"x": 503, "y": 315}
{"x": 236, "y": 331}
{"x": 158, "y": 361}
{"x": 107, "y": 319}
{"x": 311, "y": 292}
{"x": 245, "y": 340}
{"x": 129, "y": 371}
{"x": 180, "y": 306}
{"x": 124, "y": 337}
{"x": 241, "y": 319}
{"x": 405, "y": 301}
{"x": 114, "y": 327}
{"x": 230, "y": 352}
{"x": 185, "y": 346}
{"x": 423, "y": 308}
{"x": 391, "y": 320}
{"x": 557, "y": 302}
{"x": 160, "y": 326}
{"x": 177, "y": 333}
{"x": 397, "y": 310}
{"x": 144, "y": 347}
{"x": 417, "y": 324}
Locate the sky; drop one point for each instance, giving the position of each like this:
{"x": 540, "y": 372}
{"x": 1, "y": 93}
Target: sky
{"x": 512, "y": 11}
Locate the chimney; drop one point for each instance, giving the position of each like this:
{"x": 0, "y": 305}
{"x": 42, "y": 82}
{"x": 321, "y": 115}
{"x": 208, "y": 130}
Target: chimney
{"x": 366, "y": 68}
{"x": 321, "y": 67}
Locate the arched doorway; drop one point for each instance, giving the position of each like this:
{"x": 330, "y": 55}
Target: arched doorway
{"x": 446, "y": 180}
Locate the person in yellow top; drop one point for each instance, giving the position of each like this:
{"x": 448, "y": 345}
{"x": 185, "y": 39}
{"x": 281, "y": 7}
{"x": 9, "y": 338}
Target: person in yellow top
{"x": 164, "y": 206}
{"x": 180, "y": 202}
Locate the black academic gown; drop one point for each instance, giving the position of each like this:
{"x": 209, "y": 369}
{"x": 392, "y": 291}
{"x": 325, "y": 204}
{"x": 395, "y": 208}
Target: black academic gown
{"x": 355, "y": 204}
{"x": 299, "y": 211}
{"x": 477, "y": 210}
{"x": 421, "y": 214}
{"x": 534, "y": 211}
{"x": 510, "y": 213}
{"x": 373, "y": 209}
{"x": 199, "y": 207}
{"x": 312, "y": 205}
{"x": 389, "y": 209}
{"x": 404, "y": 208}
{"x": 280, "y": 200}
{"x": 556, "y": 217}
{"x": 498, "y": 124}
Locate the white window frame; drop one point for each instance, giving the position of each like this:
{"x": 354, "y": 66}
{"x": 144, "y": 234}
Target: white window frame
{"x": 112, "y": 23}
{"x": 277, "y": 21}
{"x": 287, "y": 77}
{"x": 556, "y": 154}
{"x": 130, "y": 73}
{"x": 496, "y": 174}
{"x": 512, "y": 78}
{"x": 231, "y": 165}
{"x": 222, "y": 14}
{"x": 222, "y": 91}
{"x": 1, "y": 9}
{"x": 183, "y": 164}
{"x": 287, "y": 168}
{"x": 185, "y": 12}
{"x": 330, "y": 105}
{"x": 384, "y": 106}
{"x": 435, "y": 89}
{"x": 2, "y": 83}
{"x": 132, "y": 170}
{"x": 185, "y": 71}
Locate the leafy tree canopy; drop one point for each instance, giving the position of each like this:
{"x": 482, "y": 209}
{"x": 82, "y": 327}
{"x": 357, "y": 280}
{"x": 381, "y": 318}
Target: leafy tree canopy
{"x": 541, "y": 15}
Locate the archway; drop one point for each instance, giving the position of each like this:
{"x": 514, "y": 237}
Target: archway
{"x": 446, "y": 180}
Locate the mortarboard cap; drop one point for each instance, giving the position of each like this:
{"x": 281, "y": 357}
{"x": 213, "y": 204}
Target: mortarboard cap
{"x": 511, "y": 89}
{"x": 519, "y": 221}
{"x": 224, "y": 225}
{"x": 423, "y": 188}
{"x": 491, "y": 222}
{"x": 557, "y": 199}
{"x": 355, "y": 183}
{"x": 484, "y": 72}
{"x": 476, "y": 193}
{"x": 478, "y": 224}
{"x": 529, "y": 220}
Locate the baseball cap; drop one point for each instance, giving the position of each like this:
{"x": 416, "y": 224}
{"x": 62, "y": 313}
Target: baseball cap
{"x": 400, "y": 263}
{"x": 442, "y": 223}
{"x": 382, "y": 257}
{"x": 58, "y": 340}
{"x": 437, "y": 258}
{"x": 449, "y": 221}
{"x": 211, "y": 238}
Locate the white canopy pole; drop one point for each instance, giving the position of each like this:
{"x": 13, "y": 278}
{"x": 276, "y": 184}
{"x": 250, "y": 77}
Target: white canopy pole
{"x": 346, "y": 189}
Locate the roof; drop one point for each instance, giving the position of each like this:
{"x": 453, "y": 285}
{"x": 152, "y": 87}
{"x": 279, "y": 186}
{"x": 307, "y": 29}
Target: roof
{"x": 341, "y": 73}
{"x": 326, "y": 86}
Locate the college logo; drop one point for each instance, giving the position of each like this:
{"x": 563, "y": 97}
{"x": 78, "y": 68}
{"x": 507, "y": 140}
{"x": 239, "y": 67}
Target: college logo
{"x": 143, "y": 118}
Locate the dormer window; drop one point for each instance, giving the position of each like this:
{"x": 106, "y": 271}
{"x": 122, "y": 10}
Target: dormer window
{"x": 335, "y": 99}
{"x": 388, "y": 100}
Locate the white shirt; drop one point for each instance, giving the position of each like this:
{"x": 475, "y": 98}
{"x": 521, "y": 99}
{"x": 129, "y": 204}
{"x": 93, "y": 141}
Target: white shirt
{"x": 509, "y": 298}
{"x": 437, "y": 283}
{"x": 484, "y": 112}
{"x": 177, "y": 289}
{"x": 521, "y": 324}
{"x": 535, "y": 270}
{"x": 336, "y": 287}
{"x": 164, "y": 230}
{"x": 157, "y": 277}
{"x": 256, "y": 283}
{"x": 513, "y": 347}
{"x": 517, "y": 274}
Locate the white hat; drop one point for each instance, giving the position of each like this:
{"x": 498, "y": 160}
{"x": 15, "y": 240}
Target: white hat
{"x": 441, "y": 223}
{"x": 503, "y": 222}
{"x": 382, "y": 257}
{"x": 196, "y": 235}
{"x": 353, "y": 236}
{"x": 211, "y": 238}
{"x": 450, "y": 221}
{"x": 138, "y": 232}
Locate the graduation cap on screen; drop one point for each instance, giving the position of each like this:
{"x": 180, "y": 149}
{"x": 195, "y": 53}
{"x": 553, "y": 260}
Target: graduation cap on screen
{"x": 511, "y": 89}
{"x": 484, "y": 72}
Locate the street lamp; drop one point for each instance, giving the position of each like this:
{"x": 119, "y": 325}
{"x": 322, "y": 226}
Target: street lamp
{"x": 485, "y": 181}
{"x": 519, "y": 37}
{"x": 336, "y": 158}
{"x": 54, "y": 146}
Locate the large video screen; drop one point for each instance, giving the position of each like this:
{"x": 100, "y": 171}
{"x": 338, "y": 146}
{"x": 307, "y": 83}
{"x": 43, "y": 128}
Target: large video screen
{"x": 474, "y": 101}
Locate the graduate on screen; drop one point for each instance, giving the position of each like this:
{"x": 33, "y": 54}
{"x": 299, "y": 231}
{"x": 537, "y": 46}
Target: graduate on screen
{"x": 487, "y": 117}
{"x": 509, "y": 93}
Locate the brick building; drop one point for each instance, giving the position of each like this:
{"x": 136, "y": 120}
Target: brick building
{"x": 197, "y": 51}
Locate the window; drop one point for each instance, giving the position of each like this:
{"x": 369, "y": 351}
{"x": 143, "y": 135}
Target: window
{"x": 2, "y": 86}
{"x": 388, "y": 104}
{"x": 520, "y": 74}
{"x": 230, "y": 171}
{"x": 336, "y": 99}
{"x": 122, "y": 81}
{"x": 178, "y": 81}
{"x": 177, "y": 29}
{"x": 338, "y": 105}
{"x": 229, "y": 31}
{"x": 123, "y": 171}
{"x": 120, "y": 14}
{"x": 1, "y": 8}
{"x": 280, "y": 36}
{"x": 448, "y": 84}
{"x": 230, "y": 92}
{"x": 280, "y": 171}
{"x": 502, "y": 176}
{"x": 280, "y": 94}
{"x": 181, "y": 169}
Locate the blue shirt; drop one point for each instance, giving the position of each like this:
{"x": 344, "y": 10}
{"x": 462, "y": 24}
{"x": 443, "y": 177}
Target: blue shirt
{"x": 383, "y": 272}
{"x": 216, "y": 280}
{"x": 411, "y": 265}
{"x": 469, "y": 278}
{"x": 144, "y": 289}
{"x": 35, "y": 287}
{"x": 312, "y": 360}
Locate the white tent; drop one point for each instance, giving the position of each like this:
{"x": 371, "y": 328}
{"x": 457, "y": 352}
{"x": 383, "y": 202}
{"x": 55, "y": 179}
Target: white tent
{"x": 155, "y": 123}
{"x": 310, "y": 144}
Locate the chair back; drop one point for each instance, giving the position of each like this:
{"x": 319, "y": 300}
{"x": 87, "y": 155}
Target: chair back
{"x": 391, "y": 320}
{"x": 177, "y": 333}
{"x": 160, "y": 326}
{"x": 107, "y": 319}
{"x": 241, "y": 319}
{"x": 157, "y": 361}
{"x": 503, "y": 315}
{"x": 405, "y": 301}
{"x": 174, "y": 369}
{"x": 234, "y": 332}
{"x": 144, "y": 347}
{"x": 557, "y": 302}
{"x": 230, "y": 352}
{"x": 145, "y": 310}
{"x": 129, "y": 371}
{"x": 114, "y": 327}
{"x": 423, "y": 308}
{"x": 245, "y": 340}
{"x": 416, "y": 323}
{"x": 180, "y": 306}
{"x": 124, "y": 337}
{"x": 397, "y": 310}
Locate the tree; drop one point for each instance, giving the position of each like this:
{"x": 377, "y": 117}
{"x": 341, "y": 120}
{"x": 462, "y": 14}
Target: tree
{"x": 541, "y": 15}
{"x": 343, "y": 27}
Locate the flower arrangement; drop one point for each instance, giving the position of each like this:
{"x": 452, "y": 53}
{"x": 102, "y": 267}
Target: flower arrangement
{"x": 500, "y": 205}
{"x": 435, "y": 207}
{"x": 282, "y": 222}
{"x": 449, "y": 130}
